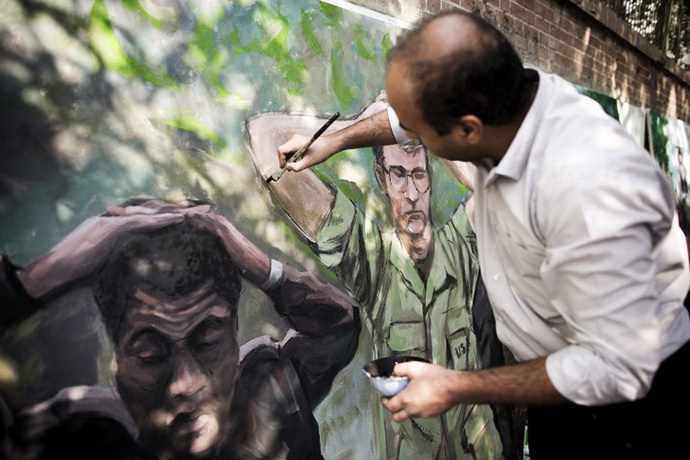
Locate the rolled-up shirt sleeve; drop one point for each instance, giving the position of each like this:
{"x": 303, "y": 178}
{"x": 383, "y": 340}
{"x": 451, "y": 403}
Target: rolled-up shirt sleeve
{"x": 604, "y": 231}
{"x": 398, "y": 132}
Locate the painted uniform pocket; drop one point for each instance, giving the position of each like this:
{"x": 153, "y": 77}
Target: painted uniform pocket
{"x": 458, "y": 337}
{"x": 407, "y": 338}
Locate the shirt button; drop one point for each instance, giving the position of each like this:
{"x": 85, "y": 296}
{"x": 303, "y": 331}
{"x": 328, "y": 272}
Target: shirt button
{"x": 497, "y": 277}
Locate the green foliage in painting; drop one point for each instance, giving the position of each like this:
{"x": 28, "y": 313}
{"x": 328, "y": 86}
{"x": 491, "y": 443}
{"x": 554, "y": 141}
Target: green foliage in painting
{"x": 107, "y": 48}
{"x": 386, "y": 45}
{"x": 207, "y": 57}
{"x": 364, "y": 44}
{"x": 340, "y": 87}
{"x": 332, "y": 13}
{"x": 194, "y": 126}
{"x": 307, "y": 25}
{"x": 135, "y": 7}
{"x": 660, "y": 140}
{"x": 273, "y": 43}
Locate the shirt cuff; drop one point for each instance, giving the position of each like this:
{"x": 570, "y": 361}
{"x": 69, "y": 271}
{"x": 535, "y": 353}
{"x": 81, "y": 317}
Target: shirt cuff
{"x": 398, "y": 132}
{"x": 584, "y": 378}
{"x": 275, "y": 276}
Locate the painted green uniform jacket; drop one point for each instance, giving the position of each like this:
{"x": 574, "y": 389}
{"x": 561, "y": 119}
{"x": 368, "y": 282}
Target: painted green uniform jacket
{"x": 408, "y": 316}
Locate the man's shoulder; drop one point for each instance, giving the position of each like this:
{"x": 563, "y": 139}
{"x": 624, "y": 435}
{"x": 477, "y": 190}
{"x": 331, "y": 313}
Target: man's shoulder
{"x": 78, "y": 422}
{"x": 270, "y": 407}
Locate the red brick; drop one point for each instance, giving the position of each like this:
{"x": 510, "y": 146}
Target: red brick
{"x": 522, "y": 14}
{"x": 432, "y": 6}
{"x": 560, "y": 37}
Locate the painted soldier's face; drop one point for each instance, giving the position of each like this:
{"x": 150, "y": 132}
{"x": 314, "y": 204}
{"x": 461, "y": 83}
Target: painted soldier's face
{"x": 407, "y": 184}
{"x": 177, "y": 366}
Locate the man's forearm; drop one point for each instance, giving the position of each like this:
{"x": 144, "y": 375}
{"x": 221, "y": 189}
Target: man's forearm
{"x": 375, "y": 130}
{"x": 434, "y": 389}
{"x": 524, "y": 383}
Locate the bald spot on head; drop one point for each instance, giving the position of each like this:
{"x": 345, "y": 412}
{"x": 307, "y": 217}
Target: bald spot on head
{"x": 441, "y": 36}
{"x": 459, "y": 64}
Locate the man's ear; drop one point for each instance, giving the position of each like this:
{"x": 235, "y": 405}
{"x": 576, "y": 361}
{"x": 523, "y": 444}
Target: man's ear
{"x": 380, "y": 177}
{"x": 469, "y": 130}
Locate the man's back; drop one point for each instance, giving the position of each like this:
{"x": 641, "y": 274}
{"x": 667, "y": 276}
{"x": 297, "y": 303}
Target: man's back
{"x": 576, "y": 243}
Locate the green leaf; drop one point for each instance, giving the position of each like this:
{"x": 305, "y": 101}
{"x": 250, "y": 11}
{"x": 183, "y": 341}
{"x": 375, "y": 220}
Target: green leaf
{"x": 107, "y": 48}
{"x": 307, "y": 25}
{"x": 193, "y": 125}
{"x": 135, "y": 7}
{"x": 340, "y": 87}
{"x": 364, "y": 45}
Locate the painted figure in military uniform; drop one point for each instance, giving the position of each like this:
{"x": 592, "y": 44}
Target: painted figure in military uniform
{"x": 416, "y": 285}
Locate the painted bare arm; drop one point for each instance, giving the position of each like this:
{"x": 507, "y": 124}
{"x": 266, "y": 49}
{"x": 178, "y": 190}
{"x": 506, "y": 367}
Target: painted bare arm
{"x": 77, "y": 256}
{"x": 311, "y": 306}
{"x": 303, "y": 196}
{"x": 434, "y": 389}
{"x": 324, "y": 321}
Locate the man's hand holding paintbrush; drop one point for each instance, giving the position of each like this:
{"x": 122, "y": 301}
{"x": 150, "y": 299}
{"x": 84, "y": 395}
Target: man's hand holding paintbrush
{"x": 297, "y": 155}
{"x": 370, "y": 131}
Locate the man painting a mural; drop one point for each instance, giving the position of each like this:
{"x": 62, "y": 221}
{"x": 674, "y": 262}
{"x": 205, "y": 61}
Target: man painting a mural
{"x": 578, "y": 240}
{"x": 418, "y": 285}
{"x": 167, "y": 281}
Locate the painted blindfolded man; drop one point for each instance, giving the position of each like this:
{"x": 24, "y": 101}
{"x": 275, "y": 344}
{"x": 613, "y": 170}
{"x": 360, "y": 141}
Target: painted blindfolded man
{"x": 584, "y": 262}
{"x": 167, "y": 281}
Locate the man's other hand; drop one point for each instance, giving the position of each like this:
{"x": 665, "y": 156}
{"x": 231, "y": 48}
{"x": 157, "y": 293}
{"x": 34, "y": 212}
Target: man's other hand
{"x": 429, "y": 393}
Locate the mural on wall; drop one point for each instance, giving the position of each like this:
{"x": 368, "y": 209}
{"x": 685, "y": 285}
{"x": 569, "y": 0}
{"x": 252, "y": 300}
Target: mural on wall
{"x": 669, "y": 146}
{"x": 105, "y": 100}
{"x": 167, "y": 280}
{"x": 416, "y": 281}
{"x": 664, "y": 137}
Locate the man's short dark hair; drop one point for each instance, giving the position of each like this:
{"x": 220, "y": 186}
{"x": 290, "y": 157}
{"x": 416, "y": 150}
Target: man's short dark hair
{"x": 487, "y": 81}
{"x": 410, "y": 146}
{"x": 170, "y": 263}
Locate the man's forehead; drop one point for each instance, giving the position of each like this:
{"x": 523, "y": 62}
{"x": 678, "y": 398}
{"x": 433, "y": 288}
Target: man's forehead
{"x": 174, "y": 317}
{"x": 396, "y": 156}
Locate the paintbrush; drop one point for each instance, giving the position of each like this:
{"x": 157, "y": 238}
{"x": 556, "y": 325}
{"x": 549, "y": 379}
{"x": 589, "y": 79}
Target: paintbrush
{"x": 298, "y": 154}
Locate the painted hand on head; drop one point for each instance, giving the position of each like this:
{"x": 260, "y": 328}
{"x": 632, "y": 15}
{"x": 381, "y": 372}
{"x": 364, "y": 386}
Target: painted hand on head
{"x": 253, "y": 263}
{"x": 427, "y": 395}
{"x": 81, "y": 252}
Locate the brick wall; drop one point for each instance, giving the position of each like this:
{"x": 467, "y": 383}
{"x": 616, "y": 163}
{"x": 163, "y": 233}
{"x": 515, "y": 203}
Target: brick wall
{"x": 581, "y": 40}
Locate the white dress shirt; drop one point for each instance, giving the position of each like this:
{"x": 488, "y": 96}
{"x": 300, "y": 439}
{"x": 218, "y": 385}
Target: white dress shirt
{"x": 580, "y": 250}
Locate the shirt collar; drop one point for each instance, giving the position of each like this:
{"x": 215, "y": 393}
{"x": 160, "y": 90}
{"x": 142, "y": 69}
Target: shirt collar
{"x": 514, "y": 162}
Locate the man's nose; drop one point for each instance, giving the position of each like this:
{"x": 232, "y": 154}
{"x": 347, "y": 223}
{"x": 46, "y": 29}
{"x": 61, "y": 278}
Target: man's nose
{"x": 187, "y": 377}
{"x": 411, "y": 192}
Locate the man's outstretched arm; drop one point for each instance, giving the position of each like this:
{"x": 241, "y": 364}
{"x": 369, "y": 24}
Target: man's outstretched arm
{"x": 325, "y": 325}
{"x": 367, "y": 132}
{"x": 304, "y": 197}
